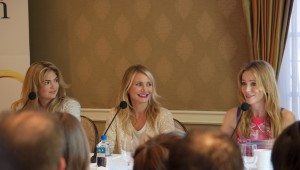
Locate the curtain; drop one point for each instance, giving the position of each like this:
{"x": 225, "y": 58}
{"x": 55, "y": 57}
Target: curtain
{"x": 267, "y": 23}
{"x": 289, "y": 80}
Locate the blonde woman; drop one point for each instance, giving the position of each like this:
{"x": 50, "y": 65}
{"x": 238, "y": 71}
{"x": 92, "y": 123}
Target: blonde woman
{"x": 144, "y": 117}
{"x": 265, "y": 119}
{"x": 45, "y": 80}
{"x": 76, "y": 147}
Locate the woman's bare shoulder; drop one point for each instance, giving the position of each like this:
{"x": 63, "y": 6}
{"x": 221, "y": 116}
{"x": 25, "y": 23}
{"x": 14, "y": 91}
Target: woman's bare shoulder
{"x": 288, "y": 117}
{"x": 229, "y": 120}
{"x": 232, "y": 110}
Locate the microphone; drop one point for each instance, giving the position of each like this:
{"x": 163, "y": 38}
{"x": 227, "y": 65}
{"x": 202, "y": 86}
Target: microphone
{"x": 31, "y": 96}
{"x": 123, "y": 105}
{"x": 244, "y": 107}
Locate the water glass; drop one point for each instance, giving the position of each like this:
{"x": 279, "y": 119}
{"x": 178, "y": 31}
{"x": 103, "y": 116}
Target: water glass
{"x": 247, "y": 151}
{"x": 127, "y": 150}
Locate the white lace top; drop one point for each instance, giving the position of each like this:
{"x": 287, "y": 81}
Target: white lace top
{"x": 115, "y": 134}
{"x": 71, "y": 106}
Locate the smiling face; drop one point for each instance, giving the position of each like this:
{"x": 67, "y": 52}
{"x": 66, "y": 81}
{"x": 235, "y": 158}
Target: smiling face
{"x": 49, "y": 88}
{"x": 140, "y": 90}
{"x": 252, "y": 93}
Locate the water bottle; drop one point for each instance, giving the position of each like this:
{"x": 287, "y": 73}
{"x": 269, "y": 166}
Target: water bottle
{"x": 103, "y": 151}
{"x": 108, "y": 149}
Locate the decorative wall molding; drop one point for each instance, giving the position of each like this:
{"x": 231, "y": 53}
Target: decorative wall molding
{"x": 185, "y": 116}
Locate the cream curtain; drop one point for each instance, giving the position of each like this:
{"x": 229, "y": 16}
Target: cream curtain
{"x": 289, "y": 76}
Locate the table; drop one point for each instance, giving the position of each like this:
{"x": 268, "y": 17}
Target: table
{"x": 114, "y": 162}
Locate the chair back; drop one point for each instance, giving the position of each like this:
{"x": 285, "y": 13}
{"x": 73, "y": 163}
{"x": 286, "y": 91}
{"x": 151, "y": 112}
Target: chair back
{"x": 91, "y": 133}
{"x": 179, "y": 126}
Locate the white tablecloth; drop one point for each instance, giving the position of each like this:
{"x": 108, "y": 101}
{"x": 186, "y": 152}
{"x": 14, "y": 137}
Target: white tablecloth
{"x": 114, "y": 162}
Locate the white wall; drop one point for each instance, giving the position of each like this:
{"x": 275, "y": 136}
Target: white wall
{"x": 14, "y": 49}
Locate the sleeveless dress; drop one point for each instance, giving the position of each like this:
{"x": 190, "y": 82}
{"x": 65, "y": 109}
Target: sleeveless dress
{"x": 260, "y": 133}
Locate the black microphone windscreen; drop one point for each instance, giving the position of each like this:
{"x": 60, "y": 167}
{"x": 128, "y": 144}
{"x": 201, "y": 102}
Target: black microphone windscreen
{"x": 123, "y": 105}
{"x": 245, "y": 106}
{"x": 32, "y": 95}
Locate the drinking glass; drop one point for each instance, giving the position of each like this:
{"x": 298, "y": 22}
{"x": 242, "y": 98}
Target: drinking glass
{"x": 247, "y": 151}
{"x": 127, "y": 150}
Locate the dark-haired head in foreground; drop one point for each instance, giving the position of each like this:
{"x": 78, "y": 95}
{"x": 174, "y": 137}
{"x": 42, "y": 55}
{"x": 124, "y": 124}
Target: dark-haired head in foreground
{"x": 205, "y": 150}
{"x": 286, "y": 149}
{"x": 154, "y": 154}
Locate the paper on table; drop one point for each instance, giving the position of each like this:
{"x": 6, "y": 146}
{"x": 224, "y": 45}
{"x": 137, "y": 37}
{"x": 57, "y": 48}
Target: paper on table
{"x": 263, "y": 157}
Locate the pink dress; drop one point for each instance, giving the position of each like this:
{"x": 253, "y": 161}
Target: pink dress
{"x": 260, "y": 132}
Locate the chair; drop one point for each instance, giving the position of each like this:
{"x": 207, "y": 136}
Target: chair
{"x": 92, "y": 135}
{"x": 179, "y": 126}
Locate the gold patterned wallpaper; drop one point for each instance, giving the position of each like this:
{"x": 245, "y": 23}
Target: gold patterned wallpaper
{"x": 194, "y": 48}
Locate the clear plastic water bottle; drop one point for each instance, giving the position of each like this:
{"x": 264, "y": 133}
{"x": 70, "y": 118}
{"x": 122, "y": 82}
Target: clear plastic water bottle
{"x": 108, "y": 149}
{"x": 103, "y": 151}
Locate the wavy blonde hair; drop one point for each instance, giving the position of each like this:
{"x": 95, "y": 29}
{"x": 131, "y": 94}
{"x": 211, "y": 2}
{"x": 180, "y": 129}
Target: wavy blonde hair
{"x": 152, "y": 109}
{"x": 34, "y": 78}
{"x": 266, "y": 82}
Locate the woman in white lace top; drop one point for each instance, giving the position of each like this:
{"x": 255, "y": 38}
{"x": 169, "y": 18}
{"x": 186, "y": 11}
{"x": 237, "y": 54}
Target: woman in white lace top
{"x": 143, "y": 118}
{"x": 45, "y": 89}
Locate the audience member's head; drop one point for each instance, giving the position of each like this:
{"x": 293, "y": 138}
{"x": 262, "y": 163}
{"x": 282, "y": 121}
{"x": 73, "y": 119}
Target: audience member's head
{"x": 286, "y": 149}
{"x": 7, "y": 161}
{"x": 154, "y": 154}
{"x": 34, "y": 140}
{"x": 76, "y": 148}
{"x": 205, "y": 150}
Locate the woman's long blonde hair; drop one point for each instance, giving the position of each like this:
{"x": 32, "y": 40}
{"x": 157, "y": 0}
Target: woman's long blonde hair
{"x": 152, "y": 109}
{"x": 33, "y": 80}
{"x": 266, "y": 82}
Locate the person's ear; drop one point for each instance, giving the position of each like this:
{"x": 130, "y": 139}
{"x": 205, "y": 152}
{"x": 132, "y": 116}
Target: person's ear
{"x": 62, "y": 164}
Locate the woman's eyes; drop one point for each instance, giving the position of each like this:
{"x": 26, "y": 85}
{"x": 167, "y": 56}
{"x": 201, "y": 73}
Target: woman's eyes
{"x": 138, "y": 84}
{"x": 46, "y": 82}
{"x": 251, "y": 83}
{"x": 141, "y": 84}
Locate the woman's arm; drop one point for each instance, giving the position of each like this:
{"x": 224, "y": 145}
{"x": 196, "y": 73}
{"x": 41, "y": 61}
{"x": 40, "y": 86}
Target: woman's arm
{"x": 166, "y": 122}
{"x": 229, "y": 121}
{"x": 288, "y": 118}
{"x": 73, "y": 107}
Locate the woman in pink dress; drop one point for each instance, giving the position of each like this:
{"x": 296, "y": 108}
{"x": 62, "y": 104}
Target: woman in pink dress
{"x": 265, "y": 119}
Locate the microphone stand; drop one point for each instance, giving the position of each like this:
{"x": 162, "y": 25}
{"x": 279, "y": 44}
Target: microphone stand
{"x": 122, "y": 105}
{"x": 112, "y": 120}
{"x": 237, "y": 124}
{"x": 93, "y": 158}
{"x": 244, "y": 107}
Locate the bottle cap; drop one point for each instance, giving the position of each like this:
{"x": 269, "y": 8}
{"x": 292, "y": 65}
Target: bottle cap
{"x": 103, "y": 137}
